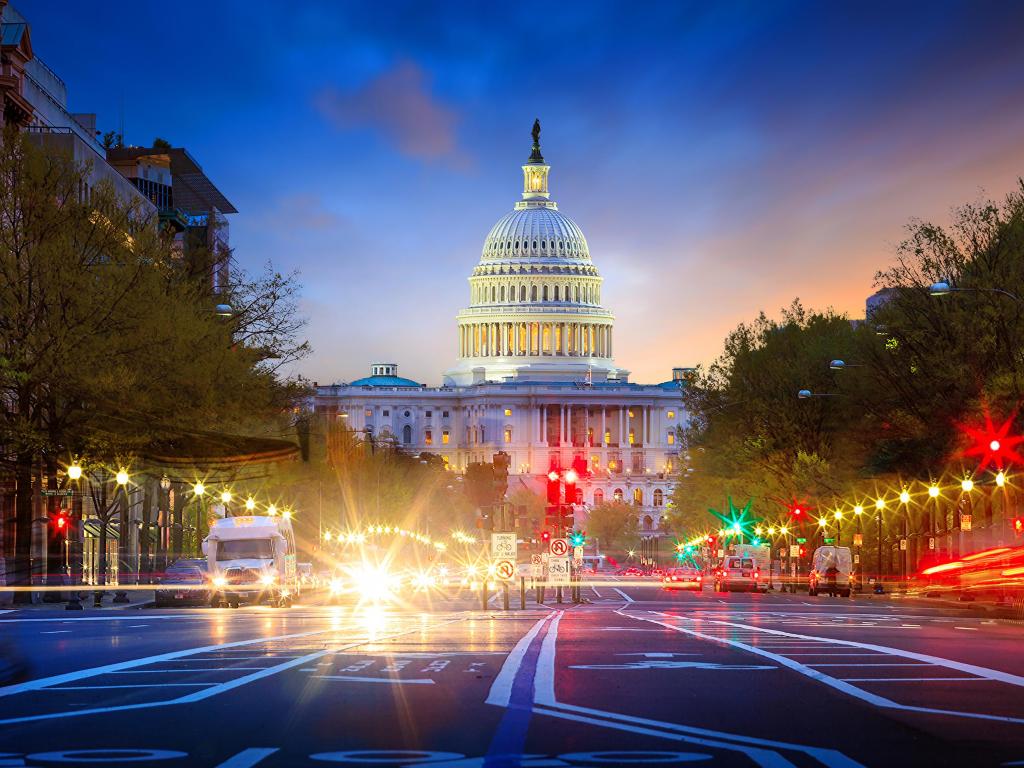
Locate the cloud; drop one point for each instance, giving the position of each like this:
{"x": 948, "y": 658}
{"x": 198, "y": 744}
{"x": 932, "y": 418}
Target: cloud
{"x": 399, "y": 104}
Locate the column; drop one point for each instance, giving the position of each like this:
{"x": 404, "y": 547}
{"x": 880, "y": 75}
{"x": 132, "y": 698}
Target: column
{"x": 604, "y": 426}
{"x": 623, "y": 434}
{"x": 544, "y": 424}
{"x": 609, "y": 341}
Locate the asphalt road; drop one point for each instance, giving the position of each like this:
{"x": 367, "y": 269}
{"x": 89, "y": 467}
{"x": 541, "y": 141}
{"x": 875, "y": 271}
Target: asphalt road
{"x": 637, "y": 677}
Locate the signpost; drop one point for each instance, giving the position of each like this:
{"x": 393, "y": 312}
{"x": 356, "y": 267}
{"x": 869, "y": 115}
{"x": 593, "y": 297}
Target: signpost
{"x": 558, "y": 571}
{"x": 965, "y": 522}
{"x": 559, "y": 548}
{"x": 794, "y": 550}
{"x": 503, "y": 546}
{"x": 536, "y": 567}
{"x": 505, "y": 569}
{"x": 577, "y": 556}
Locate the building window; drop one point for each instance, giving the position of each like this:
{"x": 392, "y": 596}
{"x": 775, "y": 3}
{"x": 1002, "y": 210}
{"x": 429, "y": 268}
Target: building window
{"x": 444, "y": 414}
{"x": 445, "y": 460}
{"x": 638, "y": 497}
{"x": 617, "y": 494}
{"x": 596, "y": 461}
{"x": 508, "y": 434}
{"x": 659, "y": 497}
{"x": 407, "y": 435}
{"x": 428, "y": 437}
{"x": 598, "y": 497}
{"x": 508, "y": 411}
{"x": 671, "y": 414}
{"x": 671, "y": 438}
{"x": 648, "y": 523}
{"x": 368, "y": 413}
{"x": 407, "y": 414}
{"x": 607, "y": 437}
{"x": 387, "y": 413}
{"x": 444, "y": 437}
{"x": 632, "y": 437}
{"x": 429, "y": 414}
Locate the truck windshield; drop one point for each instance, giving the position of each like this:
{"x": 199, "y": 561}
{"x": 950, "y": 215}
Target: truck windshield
{"x": 244, "y": 549}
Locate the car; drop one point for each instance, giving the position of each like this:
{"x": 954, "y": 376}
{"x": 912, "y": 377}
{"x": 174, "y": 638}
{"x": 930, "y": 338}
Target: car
{"x": 631, "y": 571}
{"x": 682, "y": 578}
{"x": 737, "y": 573}
{"x": 178, "y": 585}
{"x": 830, "y": 571}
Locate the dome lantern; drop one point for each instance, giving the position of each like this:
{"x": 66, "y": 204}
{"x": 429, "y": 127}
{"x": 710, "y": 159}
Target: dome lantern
{"x": 535, "y": 172}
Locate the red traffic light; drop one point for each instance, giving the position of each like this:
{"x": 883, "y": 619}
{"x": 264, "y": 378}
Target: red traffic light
{"x": 1018, "y": 525}
{"x": 803, "y": 551}
{"x": 711, "y": 540}
{"x": 545, "y": 536}
{"x": 61, "y": 522}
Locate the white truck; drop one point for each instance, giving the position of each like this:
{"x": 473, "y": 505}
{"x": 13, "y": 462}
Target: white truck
{"x": 252, "y": 560}
{"x": 761, "y": 554}
{"x": 830, "y": 571}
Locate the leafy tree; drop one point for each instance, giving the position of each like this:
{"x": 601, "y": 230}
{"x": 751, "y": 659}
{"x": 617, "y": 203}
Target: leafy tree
{"x": 612, "y": 523}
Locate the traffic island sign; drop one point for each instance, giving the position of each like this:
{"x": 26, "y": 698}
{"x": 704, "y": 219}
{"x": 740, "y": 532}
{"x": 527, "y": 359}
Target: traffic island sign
{"x": 505, "y": 570}
{"x": 503, "y": 546}
{"x": 559, "y": 547}
{"x": 558, "y": 571}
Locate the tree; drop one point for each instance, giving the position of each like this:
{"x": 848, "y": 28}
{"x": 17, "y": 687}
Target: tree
{"x": 107, "y": 343}
{"x": 612, "y": 523}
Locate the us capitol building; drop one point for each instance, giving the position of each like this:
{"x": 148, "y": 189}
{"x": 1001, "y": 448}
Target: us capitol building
{"x": 535, "y": 376}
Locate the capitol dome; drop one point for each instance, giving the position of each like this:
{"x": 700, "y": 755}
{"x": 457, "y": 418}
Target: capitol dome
{"x": 535, "y": 297}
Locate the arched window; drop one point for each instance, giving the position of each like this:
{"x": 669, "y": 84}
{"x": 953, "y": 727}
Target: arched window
{"x": 648, "y": 523}
{"x": 545, "y": 294}
{"x": 533, "y": 293}
{"x": 638, "y": 497}
{"x": 493, "y": 296}
{"x": 577, "y": 291}
{"x": 522, "y": 293}
{"x": 617, "y": 494}
{"x": 556, "y": 293}
{"x": 502, "y": 294}
{"x": 659, "y": 497}
{"x": 407, "y": 434}
{"x": 598, "y": 497}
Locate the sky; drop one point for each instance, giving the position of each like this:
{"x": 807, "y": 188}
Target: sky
{"x": 722, "y": 158}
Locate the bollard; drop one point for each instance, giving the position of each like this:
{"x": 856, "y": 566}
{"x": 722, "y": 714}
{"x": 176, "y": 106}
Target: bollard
{"x": 522, "y": 593}
{"x": 504, "y": 595}
{"x": 483, "y": 594}
{"x": 559, "y": 595}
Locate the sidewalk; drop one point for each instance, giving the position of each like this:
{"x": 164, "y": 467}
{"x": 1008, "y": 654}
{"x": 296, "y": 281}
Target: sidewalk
{"x": 137, "y": 598}
{"x": 918, "y": 600}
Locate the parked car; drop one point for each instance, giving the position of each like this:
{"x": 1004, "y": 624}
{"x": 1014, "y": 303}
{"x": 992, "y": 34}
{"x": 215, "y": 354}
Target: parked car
{"x": 683, "y": 578}
{"x": 737, "y": 573}
{"x": 178, "y": 585}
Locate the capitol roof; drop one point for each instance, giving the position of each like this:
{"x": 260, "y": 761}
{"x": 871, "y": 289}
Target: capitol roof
{"x": 536, "y": 231}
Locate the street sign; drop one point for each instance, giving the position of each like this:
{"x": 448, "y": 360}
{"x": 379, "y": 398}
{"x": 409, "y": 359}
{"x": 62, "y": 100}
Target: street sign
{"x": 58, "y": 492}
{"x": 903, "y": 544}
{"x": 858, "y": 539}
{"x": 558, "y": 570}
{"x": 505, "y": 569}
{"x": 794, "y": 550}
{"x": 801, "y": 540}
{"x": 536, "y": 560}
{"x": 856, "y": 559}
{"x": 577, "y": 556}
{"x": 537, "y": 571}
{"x": 931, "y": 542}
{"x": 503, "y": 546}
{"x": 965, "y": 522}
{"x": 830, "y": 540}
{"x": 721, "y": 553}
{"x": 559, "y": 547}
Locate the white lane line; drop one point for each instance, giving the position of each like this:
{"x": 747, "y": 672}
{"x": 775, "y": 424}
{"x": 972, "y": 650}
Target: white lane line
{"x": 968, "y": 629}
{"x": 212, "y": 690}
{"x": 391, "y": 680}
{"x": 594, "y": 590}
{"x": 70, "y": 677}
{"x": 501, "y": 689}
{"x": 136, "y": 626}
{"x": 914, "y": 679}
{"x": 248, "y": 757}
{"x": 879, "y": 664}
{"x": 194, "y": 671}
{"x": 57, "y": 632}
{"x": 138, "y": 685}
{"x": 847, "y": 688}
{"x": 624, "y": 596}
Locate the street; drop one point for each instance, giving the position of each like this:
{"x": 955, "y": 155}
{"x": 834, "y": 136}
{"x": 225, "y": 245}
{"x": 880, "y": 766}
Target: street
{"x": 637, "y": 676}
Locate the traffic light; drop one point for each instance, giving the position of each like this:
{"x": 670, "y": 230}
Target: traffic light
{"x": 1018, "y": 525}
{"x": 61, "y": 522}
{"x": 554, "y": 487}
{"x": 803, "y": 551}
{"x": 545, "y": 537}
{"x": 711, "y": 541}
{"x": 578, "y": 538}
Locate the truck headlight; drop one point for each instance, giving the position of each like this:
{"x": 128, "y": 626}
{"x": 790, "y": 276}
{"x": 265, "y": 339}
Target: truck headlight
{"x": 267, "y": 579}
{"x": 219, "y": 581}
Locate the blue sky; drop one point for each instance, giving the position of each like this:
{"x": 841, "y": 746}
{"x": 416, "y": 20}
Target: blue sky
{"x": 722, "y": 158}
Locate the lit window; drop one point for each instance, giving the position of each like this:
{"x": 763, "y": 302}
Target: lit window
{"x": 508, "y": 434}
{"x": 595, "y": 460}
{"x": 659, "y": 497}
{"x": 428, "y": 438}
{"x": 368, "y": 413}
{"x": 444, "y": 437}
{"x": 630, "y": 413}
{"x": 445, "y": 460}
{"x": 607, "y": 437}
{"x": 671, "y": 414}
{"x": 632, "y": 437}
{"x": 671, "y": 438}
{"x": 508, "y": 411}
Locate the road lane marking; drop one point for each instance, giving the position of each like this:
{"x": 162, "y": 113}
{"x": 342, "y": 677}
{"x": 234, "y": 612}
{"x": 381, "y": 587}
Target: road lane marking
{"x": 914, "y": 679}
{"x": 847, "y": 688}
{"x": 136, "y": 685}
{"x": 57, "y": 632}
{"x": 625, "y": 597}
{"x": 501, "y": 688}
{"x": 248, "y": 757}
{"x": 214, "y": 690}
{"x": 69, "y": 677}
{"x": 391, "y": 680}
{"x": 968, "y": 629}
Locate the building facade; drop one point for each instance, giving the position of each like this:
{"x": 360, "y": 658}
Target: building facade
{"x": 535, "y": 375}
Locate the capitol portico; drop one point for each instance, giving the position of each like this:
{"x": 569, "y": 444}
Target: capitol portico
{"x": 535, "y": 375}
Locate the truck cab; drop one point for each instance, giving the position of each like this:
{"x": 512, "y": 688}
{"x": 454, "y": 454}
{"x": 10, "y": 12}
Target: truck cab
{"x": 252, "y": 560}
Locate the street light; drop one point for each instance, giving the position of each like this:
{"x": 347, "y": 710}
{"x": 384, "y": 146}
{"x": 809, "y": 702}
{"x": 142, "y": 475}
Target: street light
{"x": 904, "y": 496}
{"x": 223, "y": 310}
{"x": 225, "y": 496}
{"x": 250, "y": 504}
{"x": 805, "y": 394}
{"x": 967, "y": 485}
{"x": 122, "y": 477}
{"x": 198, "y": 489}
{"x": 272, "y": 510}
{"x": 838, "y": 365}
{"x": 1001, "y": 479}
{"x": 933, "y": 491}
{"x": 75, "y": 471}
{"x": 943, "y": 288}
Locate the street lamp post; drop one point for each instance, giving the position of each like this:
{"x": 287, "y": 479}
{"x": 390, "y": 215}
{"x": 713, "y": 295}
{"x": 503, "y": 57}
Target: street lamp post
{"x": 879, "y": 506}
{"x": 943, "y": 288}
{"x": 199, "y": 491}
{"x": 122, "y": 478}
